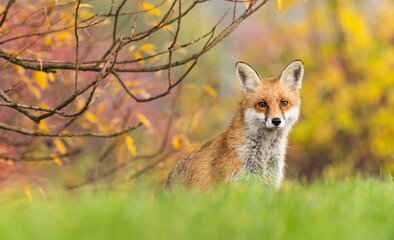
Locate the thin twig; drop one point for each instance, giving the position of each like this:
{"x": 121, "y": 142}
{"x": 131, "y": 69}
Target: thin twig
{"x": 76, "y": 46}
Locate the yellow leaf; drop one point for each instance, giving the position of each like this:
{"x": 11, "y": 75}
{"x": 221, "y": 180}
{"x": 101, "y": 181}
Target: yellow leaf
{"x": 168, "y": 27}
{"x": 27, "y": 192}
{"x": 64, "y": 36}
{"x": 48, "y": 41}
{"x": 41, "y": 79}
{"x": 147, "y": 46}
{"x": 101, "y": 108}
{"x": 143, "y": 119}
{"x": 138, "y": 56}
{"x": 176, "y": 142}
{"x": 60, "y": 146}
{"x": 132, "y": 83}
{"x": 36, "y": 92}
{"x": 10, "y": 162}
{"x": 56, "y": 159}
{"x": 20, "y": 69}
{"x": 44, "y": 105}
{"x": 210, "y": 90}
{"x": 180, "y": 140}
{"x": 131, "y": 146}
{"x": 91, "y": 117}
{"x": 43, "y": 126}
{"x": 151, "y": 9}
{"x": 280, "y": 4}
{"x": 51, "y": 77}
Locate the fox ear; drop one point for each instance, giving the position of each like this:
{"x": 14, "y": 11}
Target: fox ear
{"x": 247, "y": 76}
{"x": 292, "y": 74}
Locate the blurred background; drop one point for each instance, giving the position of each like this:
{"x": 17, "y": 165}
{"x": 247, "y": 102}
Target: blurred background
{"x": 347, "y": 113}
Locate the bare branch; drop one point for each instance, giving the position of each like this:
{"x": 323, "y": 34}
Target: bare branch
{"x": 5, "y": 12}
{"x": 76, "y": 45}
{"x": 38, "y": 133}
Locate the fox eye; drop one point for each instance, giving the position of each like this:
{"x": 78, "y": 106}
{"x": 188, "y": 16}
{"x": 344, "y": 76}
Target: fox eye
{"x": 284, "y": 103}
{"x": 262, "y": 104}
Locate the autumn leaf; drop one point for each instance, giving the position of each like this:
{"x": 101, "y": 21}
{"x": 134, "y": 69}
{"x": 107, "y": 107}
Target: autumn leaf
{"x": 60, "y": 146}
{"x": 130, "y": 145}
{"x": 43, "y": 126}
{"x": 41, "y": 79}
{"x": 176, "y": 142}
{"x": 51, "y": 77}
{"x": 27, "y": 192}
{"x": 144, "y": 120}
{"x": 101, "y": 108}
{"x": 179, "y": 140}
{"x": 91, "y": 117}
{"x": 56, "y": 159}
{"x": 138, "y": 56}
{"x": 148, "y": 48}
{"x": 280, "y": 4}
{"x": 151, "y": 9}
{"x": 64, "y": 36}
{"x": 210, "y": 90}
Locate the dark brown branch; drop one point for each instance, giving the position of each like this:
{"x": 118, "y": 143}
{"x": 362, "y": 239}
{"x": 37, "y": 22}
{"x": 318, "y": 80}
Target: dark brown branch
{"x": 38, "y": 133}
{"x": 5, "y": 12}
{"x": 174, "y": 42}
{"x": 116, "y": 21}
{"x": 13, "y": 105}
{"x": 76, "y": 45}
{"x": 135, "y": 18}
{"x": 12, "y": 87}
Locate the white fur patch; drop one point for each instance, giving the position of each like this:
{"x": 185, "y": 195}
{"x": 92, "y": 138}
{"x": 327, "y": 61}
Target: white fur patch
{"x": 292, "y": 115}
{"x": 254, "y": 120}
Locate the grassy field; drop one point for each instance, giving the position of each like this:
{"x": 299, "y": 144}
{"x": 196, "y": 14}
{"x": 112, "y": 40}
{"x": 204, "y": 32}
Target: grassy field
{"x": 358, "y": 209}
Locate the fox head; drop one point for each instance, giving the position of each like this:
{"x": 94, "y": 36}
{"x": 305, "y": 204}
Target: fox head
{"x": 271, "y": 103}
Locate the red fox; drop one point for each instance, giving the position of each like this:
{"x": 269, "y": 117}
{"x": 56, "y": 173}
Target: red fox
{"x": 254, "y": 146}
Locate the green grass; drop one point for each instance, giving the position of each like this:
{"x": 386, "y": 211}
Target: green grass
{"x": 358, "y": 209}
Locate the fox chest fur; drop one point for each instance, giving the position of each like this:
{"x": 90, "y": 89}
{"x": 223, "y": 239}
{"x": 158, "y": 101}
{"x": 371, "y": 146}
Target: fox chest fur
{"x": 262, "y": 155}
{"x": 253, "y": 148}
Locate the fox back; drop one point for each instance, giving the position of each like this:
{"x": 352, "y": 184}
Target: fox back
{"x": 253, "y": 147}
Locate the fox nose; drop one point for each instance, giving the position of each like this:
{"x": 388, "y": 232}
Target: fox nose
{"x": 276, "y": 121}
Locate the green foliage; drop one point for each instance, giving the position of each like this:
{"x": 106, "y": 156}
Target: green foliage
{"x": 357, "y": 209}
